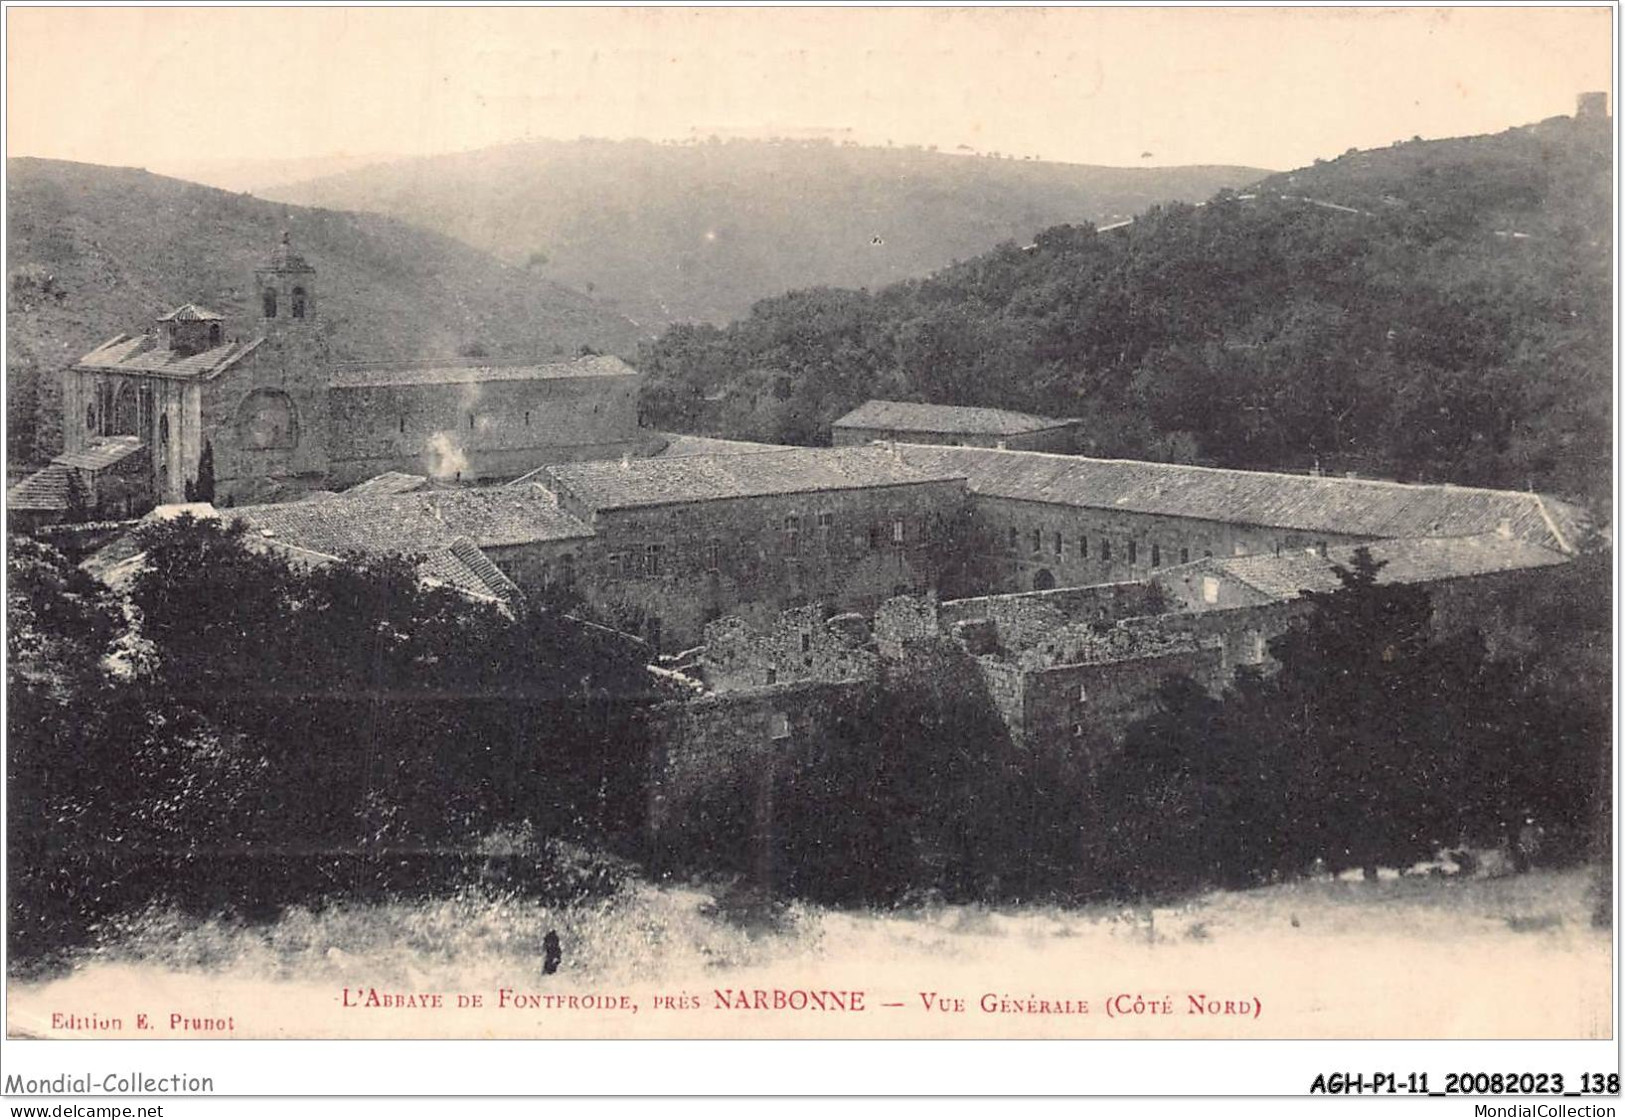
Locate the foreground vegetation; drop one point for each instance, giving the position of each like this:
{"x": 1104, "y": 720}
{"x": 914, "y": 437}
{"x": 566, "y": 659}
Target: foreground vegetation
{"x": 238, "y": 737}
{"x": 243, "y": 734}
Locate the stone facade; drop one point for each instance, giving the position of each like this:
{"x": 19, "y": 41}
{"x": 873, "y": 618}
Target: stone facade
{"x": 1033, "y": 546}
{"x": 666, "y": 571}
{"x": 468, "y": 431}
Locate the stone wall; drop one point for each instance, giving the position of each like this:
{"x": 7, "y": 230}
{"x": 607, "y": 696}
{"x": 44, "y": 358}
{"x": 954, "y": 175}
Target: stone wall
{"x": 904, "y": 620}
{"x": 1083, "y": 710}
{"x": 669, "y": 570}
{"x": 480, "y": 430}
{"x": 1104, "y": 602}
{"x": 1027, "y": 545}
{"x": 800, "y": 645}
{"x": 729, "y": 744}
{"x": 288, "y": 368}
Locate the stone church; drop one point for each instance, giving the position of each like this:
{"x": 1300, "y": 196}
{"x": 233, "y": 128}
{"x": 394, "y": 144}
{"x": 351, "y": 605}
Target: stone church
{"x": 270, "y": 415}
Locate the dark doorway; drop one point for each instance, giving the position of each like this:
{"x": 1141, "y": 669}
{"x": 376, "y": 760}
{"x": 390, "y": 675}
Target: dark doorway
{"x": 1043, "y": 580}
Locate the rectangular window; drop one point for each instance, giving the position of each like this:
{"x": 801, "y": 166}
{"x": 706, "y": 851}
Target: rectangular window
{"x": 792, "y": 535}
{"x": 1038, "y": 541}
{"x": 779, "y": 723}
{"x": 713, "y": 555}
{"x": 874, "y": 538}
{"x": 826, "y": 521}
{"x": 1083, "y": 546}
{"x": 614, "y": 565}
{"x": 1156, "y": 555}
{"x": 652, "y": 560}
{"x": 1133, "y": 552}
{"x": 897, "y": 531}
{"x": 1013, "y": 538}
{"x": 1210, "y": 589}
{"x": 1184, "y": 556}
{"x": 1060, "y": 546}
{"x": 1105, "y": 551}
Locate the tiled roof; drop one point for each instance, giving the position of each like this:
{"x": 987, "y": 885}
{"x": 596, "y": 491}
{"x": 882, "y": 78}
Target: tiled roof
{"x": 143, "y": 354}
{"x": 480, "y": 565}
{"x": 679, "y": 446}
{"x": 356, "y": 375}
{"x": 101, "y": 454}
{"x": 390, "y": 482}
{"x": 418, "y": 522}
{"x": 1353, "y": 507}
{"x": 192, "y": 313}
{"x": 649, "y": 482}
{"x": 906, "y": 416}
{"x": 446, "y": 528}
{"x": 44, "y": 490}
{"x": 1414, "y": 560}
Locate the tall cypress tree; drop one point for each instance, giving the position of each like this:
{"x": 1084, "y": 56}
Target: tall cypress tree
{"x": 203, "y": 491}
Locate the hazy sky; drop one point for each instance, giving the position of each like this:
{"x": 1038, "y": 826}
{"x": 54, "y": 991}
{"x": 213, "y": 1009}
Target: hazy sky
{"x": 167, "y": 88}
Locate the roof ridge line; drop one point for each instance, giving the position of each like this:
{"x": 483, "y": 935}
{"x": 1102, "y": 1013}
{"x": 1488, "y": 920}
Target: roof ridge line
{"x": 1227, "y": 470}
{"x": 1551, "y": 524}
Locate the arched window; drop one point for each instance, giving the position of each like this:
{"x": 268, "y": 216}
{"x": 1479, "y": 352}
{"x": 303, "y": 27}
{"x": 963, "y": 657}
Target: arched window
{"x": 214, "y": 334}
{"x": 90, "y": 418}
{"x": 299, "y": 303}
{"x": 269, "y": 302}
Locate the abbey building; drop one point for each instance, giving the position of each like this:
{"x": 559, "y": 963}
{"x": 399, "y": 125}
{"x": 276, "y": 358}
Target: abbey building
{"x": 200, "y": 407}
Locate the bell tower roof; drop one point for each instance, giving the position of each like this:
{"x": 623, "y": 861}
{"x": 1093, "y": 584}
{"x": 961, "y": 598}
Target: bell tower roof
{"x": 284, "y": 259}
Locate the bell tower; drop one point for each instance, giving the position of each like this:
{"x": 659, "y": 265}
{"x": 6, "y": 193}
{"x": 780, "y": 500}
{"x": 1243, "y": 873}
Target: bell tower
{"x": 286, "y": 289}
{"x": 267, "y": 419}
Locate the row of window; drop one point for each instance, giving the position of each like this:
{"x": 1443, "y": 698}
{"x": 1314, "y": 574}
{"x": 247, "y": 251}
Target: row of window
{"x": 1057, "y": 544}
{"x": 648, "y": 560}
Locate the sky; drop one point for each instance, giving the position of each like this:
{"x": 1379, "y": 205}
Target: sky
{"x": 168, "y": 88}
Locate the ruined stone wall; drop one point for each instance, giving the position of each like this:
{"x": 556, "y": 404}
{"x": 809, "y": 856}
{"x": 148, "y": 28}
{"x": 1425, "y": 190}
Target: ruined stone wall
{"x": 800, "y": 645}
{"x": 1099, "y": 603}
{"x": 1028, "y": 544}
{"x": 905, "y": 620}
{"x": 1083, "y": 710}
{"x": 480, "y": 430}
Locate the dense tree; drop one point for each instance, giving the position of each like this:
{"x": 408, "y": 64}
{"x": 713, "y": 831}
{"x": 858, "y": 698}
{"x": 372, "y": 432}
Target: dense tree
{"x": 1436, "y": 311}
{"x": 1375, "y": 744}
{"x": 269, "y": 732}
